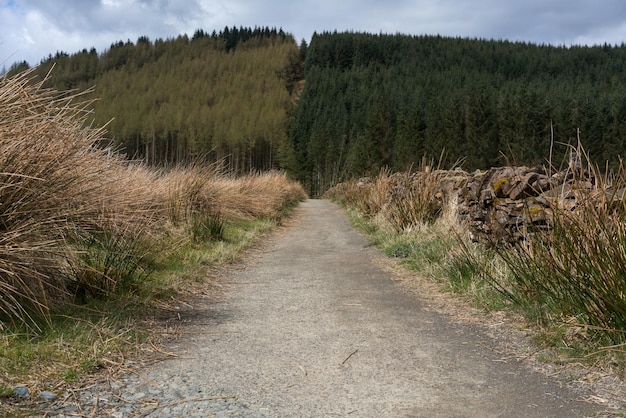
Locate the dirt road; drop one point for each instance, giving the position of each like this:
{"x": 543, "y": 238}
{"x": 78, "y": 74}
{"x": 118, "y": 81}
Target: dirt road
{"x": 311, "y": 327}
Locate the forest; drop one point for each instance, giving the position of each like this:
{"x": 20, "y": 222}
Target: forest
{"x": 348, "y": 104}
{"x": 212, "y": 97}
{"x": 374, "y": 101}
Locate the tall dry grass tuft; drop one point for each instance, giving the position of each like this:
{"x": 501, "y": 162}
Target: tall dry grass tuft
{"x": 40, "y": 157}
{"x": 78, "y": 220}
{"x": 403, "y": 200}
{"x": 185, "y": 193}
{"x": 576, "y": 271}
{"x": 59, "y": 189}
{"x": 416, "y": 199}
{"x": 201, "y": 197}
{"x": 259, "y": 195}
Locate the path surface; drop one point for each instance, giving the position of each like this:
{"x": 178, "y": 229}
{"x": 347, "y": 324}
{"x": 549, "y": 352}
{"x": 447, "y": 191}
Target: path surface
{"x": 311, "y": 327}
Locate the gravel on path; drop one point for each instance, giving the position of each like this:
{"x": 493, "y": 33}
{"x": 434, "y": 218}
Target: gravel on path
{"x": 312, "y": 327}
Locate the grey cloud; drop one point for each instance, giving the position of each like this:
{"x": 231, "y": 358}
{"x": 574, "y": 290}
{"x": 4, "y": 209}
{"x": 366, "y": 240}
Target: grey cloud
{"x": 41, "y": 26}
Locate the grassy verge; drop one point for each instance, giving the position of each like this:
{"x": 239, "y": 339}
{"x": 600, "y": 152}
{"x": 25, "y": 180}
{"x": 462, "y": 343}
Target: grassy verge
{"x": 568, "y": 281}
{"x": 92, "y": 245}
{"x": 80, "y": 340}
{"x": 432, "y": 250}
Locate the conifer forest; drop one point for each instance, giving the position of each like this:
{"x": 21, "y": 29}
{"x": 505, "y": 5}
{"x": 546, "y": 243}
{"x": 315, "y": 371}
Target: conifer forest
{"x": 348, "y": 104}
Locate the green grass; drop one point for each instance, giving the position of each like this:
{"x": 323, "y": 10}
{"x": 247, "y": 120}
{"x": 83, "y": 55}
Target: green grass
{"x": 5, "y": 391}
{"x": 76, "y": 346}
{"x": 79, "y": 340}
{"x": 237, "y": 237}
{"x": 433, "y": 251}
{"x": 210, "y": 227}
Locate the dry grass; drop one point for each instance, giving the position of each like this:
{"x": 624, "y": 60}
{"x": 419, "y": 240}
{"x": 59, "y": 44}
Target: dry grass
{"x": 403, "y": 200}
{"x": 91, "y": 244}
{"x": 575, "y": 272}
{"x": 57, "y": 186}
{"x": 77, "y": 220}
{"x": 262, "y": 195}
{"x": 197, "y": 189}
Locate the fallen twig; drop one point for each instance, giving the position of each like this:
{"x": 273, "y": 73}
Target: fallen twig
{"x": 347, "y": 358}
{"x": 165, "y": 353}
{"x": 94, "y": 413}
{"x": 303, "y": 370}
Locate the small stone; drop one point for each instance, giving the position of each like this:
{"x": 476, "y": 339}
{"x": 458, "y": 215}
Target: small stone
{"x": 48, "y": 396}
{"x": 68, "y": 410}
{"x": 21, "y": 392}
{"x": 153, "y": 391}
{"x": 139, "y": 395}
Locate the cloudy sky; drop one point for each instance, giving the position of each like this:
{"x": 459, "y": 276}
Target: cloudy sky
{"x": 32, "y": 29}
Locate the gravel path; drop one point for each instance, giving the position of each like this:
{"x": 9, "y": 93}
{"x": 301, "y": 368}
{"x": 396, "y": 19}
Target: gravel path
{"x": 311, "y": 327}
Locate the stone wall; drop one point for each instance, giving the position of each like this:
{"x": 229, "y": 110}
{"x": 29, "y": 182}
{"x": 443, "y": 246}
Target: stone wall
{"x": 502, "y": 204}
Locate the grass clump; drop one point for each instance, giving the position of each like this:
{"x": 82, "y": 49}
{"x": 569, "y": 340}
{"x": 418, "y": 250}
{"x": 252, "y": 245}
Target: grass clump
{"x": 59, "y": 189}
{"x": 404, "y": 200}
{"x": 575, "y": 272}
{"x": 107, "y": 263}
{"x": 91, "y": 243}
{"x": 209, "y": 227}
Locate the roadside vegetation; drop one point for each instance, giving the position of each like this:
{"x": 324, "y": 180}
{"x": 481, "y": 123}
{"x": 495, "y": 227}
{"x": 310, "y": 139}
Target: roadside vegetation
{"x": 92, "y": 245}
{"x": 568, "y": 280}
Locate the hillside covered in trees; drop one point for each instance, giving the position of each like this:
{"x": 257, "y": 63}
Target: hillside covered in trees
{"x": 375, "y": 101}
{"x": 369, "y": 100}
{"x": 216, "y": 96}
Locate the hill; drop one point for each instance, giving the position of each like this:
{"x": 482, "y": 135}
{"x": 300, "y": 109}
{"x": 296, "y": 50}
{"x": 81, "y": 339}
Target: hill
{"x": 369, "y": 101}
{"x": 375, "y": 101}
{"x": 213, "y": 96}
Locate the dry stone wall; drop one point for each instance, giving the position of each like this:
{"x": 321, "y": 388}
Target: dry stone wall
{"x": 502, "y": 204}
